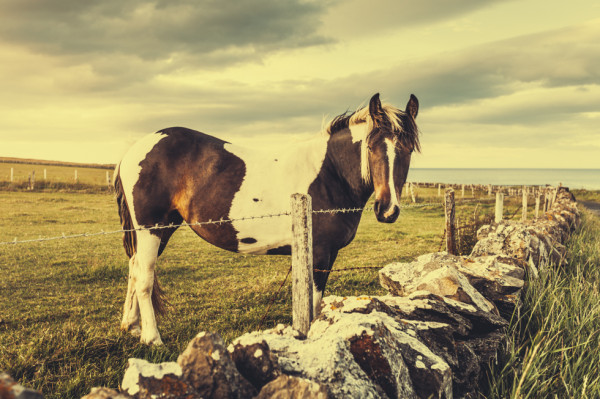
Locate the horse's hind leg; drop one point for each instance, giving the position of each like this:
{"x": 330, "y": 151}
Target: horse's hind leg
{"x": 144, "y": 267}
{"x": 131, "y": 309}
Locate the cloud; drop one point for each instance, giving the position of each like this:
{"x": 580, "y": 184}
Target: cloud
{"x": 158, "y": 36}
{"x": 359, "y": 18}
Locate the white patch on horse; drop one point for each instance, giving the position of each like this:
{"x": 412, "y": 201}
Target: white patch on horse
{"x": 391, "y": 156}
{"x": 130, "y": 167}
{"x": 273, "y": 173}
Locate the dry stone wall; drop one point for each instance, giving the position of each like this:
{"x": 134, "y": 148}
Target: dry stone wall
{"x": 432, "y": 335}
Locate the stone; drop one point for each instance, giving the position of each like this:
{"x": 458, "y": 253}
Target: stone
{"x": 436, "y": 273}
{"x": 255, "y": 362}
{"x": 145, "y": 380}
{"x": 207, "y": 366}
{"x": 288, "y": 387}
{"x": 105, "y": 393}
{"x": 9, "y": 389}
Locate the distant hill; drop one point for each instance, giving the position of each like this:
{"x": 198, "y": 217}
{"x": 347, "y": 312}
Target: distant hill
{"x": 56, "y": 163}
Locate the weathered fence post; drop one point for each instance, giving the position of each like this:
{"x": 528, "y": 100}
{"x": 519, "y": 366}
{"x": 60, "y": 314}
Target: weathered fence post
{"x": 45, "y": 174}
{"x": 76, "y": 178}
{"x": 472, "y": 191}
{"x": 108, "y": 179}
{"x": 524, "y": 214}
{"x": 450, "y": 226}
{"x": 439, "y": 190}
{"x": 499, "y": 207}
{"x": 32, "y": 181}
{"x": 12, "y": 174}
{"x": 489, "y": 190}
{"x": 302, "y": 262}
{"x": 462, "y": 195}
{"x": 537, "y": 205}
{"x": 555, "y": 194}
{"x": 412, "y": 194}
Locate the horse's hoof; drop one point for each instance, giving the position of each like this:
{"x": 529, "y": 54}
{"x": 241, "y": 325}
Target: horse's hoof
{"x": 133, "y": 329}
{"x": 156, "y": 341}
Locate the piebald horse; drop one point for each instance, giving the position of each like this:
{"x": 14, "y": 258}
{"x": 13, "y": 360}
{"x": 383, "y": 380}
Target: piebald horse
{"x": 178, "y": 174}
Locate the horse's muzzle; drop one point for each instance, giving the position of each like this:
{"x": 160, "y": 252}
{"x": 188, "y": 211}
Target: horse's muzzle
{"x": 385, "y": 215}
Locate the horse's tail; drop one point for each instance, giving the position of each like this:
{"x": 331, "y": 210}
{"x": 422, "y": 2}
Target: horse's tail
{"x": 129, "y": 236}
{"x": 130, "y": 241}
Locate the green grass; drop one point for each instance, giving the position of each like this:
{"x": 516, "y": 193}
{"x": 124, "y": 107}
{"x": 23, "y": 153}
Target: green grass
{"x": 61, "y": 300}
{"x": 57, "y": 176}
{"x": 553, "y": 348}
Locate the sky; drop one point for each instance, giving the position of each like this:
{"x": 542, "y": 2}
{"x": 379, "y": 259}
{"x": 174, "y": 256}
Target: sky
{"x": 500, "y": 83}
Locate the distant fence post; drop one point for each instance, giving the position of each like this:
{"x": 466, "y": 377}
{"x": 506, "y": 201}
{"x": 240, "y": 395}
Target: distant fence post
{"x": 499, "y": 206}
{"x": 537, "y": 205}
{"x": 108, "y": 179}
{"x": 462, "y": 195}
{"x": 524, "y": 214}
{"x": 12, "y": 174}
{"x": 439, "y": 190}
{"x": 76, "y": 178}
{"x": 302, "y": 262}
{"x": 450, "y": 229}
{"x": 45, "y": 174}
{"x": 472, "y": 191}
{"x": 32, "y": 181}
{"x": 412, "y": 193}
{"x": 489, "y": 190}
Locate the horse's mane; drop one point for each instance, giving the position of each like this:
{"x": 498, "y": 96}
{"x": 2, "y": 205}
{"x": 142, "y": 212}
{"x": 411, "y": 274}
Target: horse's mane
{"x": 401, "y": 124}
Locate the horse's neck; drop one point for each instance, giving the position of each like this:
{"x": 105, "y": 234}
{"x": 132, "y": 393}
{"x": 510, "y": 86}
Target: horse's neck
{"x": 342, "y": 165}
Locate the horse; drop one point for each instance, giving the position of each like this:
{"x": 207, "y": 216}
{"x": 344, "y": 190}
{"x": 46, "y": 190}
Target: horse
{"x": 181, "y": 176}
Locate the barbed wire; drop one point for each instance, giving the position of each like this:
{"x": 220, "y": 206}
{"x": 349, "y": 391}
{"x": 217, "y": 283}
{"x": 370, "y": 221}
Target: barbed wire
{"x": 221, "y": 221}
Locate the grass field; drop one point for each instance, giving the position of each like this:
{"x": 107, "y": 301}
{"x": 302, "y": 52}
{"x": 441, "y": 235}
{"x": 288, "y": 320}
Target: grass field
{"x": 61, "y": 300}
{"x": 55, "y": 174}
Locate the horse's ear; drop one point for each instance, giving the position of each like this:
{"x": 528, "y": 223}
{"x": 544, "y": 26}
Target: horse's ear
{"x": 375, "y": 108}
{"x": 412, "y": 107}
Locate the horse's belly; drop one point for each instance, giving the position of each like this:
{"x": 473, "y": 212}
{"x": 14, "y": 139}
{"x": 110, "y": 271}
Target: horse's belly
{"x": 258, "y": 236}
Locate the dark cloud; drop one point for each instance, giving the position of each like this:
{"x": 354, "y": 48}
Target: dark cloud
{"x": 359, "y": 18}
{"x": 161, "y": 29}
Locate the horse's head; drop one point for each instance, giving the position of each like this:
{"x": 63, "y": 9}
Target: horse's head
{"x": 392, "y": 138}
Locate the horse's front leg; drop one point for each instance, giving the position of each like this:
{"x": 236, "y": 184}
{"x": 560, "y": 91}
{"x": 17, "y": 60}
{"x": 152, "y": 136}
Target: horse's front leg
{"x": 146, "y": 255}
{"x": 322, "y": 260}
{"x": 131, "y": 309}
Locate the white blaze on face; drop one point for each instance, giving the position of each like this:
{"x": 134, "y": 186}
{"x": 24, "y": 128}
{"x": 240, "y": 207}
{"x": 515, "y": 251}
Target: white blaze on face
{"x": 391, "y": 156}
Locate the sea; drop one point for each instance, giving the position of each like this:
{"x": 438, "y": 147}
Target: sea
{"x": 588, "y": 179}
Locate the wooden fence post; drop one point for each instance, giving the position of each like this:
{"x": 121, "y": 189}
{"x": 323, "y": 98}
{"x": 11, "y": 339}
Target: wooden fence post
{"x": 555, "y": 194}
{"x": 76, "y": 178}
{"x": 45, "y": 174}
{"x": 302, "y": 262}
{"x": 462, "y": 195}
{"x": 12, "y": 174}
{"x": 489, "y": 190}
{"x": 537, "y": 205}
{"x": 439, "y": 190}
{"x": 412, "y": 194}
{"x": 32, "y": 182}
{"x": 499, "y": 206}
{"x": 524, "y": 214}
{"x": 472, "y": 191}
{"x": 450, "y": 226}
{"x": 108, "y": 179}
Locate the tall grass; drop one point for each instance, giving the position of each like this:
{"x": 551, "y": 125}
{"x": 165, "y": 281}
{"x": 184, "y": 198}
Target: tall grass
{"x": 553, "y": 347}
